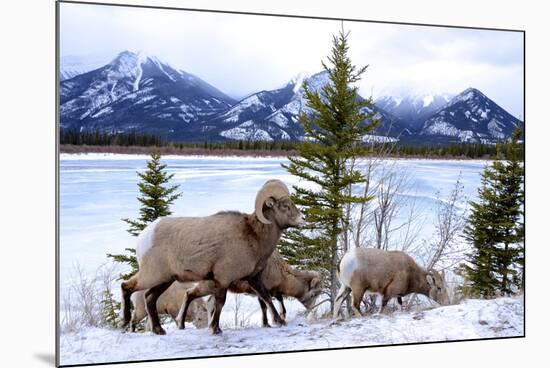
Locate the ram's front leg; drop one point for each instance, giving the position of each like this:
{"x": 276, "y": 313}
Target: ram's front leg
{"x": 263, "y": 307}
{"x": 257, "y": 285}
{"x": 279, "y": 298}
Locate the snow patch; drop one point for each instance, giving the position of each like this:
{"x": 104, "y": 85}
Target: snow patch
{"x": 279, "y": 119}
{"x": 427, "y": 100}
{"x": 105, "y": 110}
{"x": 247, "y": 134}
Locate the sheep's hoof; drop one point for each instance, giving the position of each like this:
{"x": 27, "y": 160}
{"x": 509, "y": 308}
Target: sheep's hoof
{"x": 180, "y": 324}
{"x": 158, "y": 330}
{"x": 280, "y": 322}
{"x": 266, "y": 325}
{"x": 123, "y": 324}
{"x": 216, "y": 331}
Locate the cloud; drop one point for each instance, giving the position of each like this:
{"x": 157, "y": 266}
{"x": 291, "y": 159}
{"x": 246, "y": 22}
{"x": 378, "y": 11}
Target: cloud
{"x": 241, "y": 54}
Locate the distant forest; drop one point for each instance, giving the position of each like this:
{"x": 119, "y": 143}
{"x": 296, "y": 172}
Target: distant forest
{"x": 112, "y": 140}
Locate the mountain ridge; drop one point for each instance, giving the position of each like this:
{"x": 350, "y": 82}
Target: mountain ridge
{"x": 139, "y": 92}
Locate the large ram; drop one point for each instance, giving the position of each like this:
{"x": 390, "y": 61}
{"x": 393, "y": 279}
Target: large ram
{"x": 213, "y": 251}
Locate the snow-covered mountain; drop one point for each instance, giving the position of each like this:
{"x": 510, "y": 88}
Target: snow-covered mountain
{"x": 73, "y": 65}
{"x": 137, "y": 91}
{"x": 274, "y": 114}
{"x": 471, "y": 117}
{"x": 413, "y": 109}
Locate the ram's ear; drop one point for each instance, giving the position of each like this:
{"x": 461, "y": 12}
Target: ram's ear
{"x": 314, "y": 282}
{"x": 270, "y": 202}
{"x": 430, "y": 279}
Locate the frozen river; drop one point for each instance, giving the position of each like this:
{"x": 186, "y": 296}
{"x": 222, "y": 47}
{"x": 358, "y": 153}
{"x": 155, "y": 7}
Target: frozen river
{"x": 97, "y": 191}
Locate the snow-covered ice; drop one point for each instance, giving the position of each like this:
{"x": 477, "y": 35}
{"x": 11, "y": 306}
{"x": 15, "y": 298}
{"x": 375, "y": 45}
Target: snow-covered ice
{"x": 472, "y": 319}
{"x": 98, "y": 190}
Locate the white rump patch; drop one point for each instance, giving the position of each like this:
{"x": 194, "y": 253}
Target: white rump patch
{"x": 348, "y": 265}
{"x": 145, "y": 239}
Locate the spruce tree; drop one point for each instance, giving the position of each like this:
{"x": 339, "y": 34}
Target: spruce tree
{"x": 109, "y": 308}
{"x": 334, "y": 135}
{"x": 495, "y": 227}
{"x": 509, "y": 257}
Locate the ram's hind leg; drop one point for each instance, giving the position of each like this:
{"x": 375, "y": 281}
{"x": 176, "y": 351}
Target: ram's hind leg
{"x": 151, "y": 298}
{"x": 145, "y": 278}
{"x": 356, "y": 297}
{"x": 340, "y": 297}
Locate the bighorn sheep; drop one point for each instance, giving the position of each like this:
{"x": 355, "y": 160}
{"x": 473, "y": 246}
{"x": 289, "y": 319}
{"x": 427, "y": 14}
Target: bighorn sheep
{"x": 213, "y": 251}
{"x": 388, "y": 273}
{"x": 281, "y": 280}
{"x": 169, "y": 303}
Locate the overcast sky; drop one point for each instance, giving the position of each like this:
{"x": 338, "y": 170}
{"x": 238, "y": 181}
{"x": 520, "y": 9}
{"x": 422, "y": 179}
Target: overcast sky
{"x": 241, "y": 54}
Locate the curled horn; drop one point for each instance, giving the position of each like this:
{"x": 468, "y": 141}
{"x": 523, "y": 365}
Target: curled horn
{"x": 313, "y": 278}
{"x": 272, "y": 188}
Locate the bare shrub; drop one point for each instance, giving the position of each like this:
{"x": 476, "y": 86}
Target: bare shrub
{"x": 81, "y": 301}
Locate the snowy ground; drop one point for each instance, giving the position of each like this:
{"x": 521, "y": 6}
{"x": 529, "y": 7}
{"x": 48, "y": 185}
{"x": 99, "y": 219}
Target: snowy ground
{"x": 471, "y": 319}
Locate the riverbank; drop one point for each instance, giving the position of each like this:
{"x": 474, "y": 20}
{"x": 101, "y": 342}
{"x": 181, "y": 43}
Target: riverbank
{"x": 199, "y": 151}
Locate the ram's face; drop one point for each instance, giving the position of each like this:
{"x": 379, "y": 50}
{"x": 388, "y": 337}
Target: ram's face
{"x": 312, "y": 289}
{"x": 285, "y": 213}
{"x": 200, "y": 314}
{"x": 438, "y": 288}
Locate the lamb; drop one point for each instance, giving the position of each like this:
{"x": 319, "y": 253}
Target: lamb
{"x": 281, "y": 280}
{"x": 169, "y": 303}
{"x": 213, "y": 251}
{"x": 387, "y": 273}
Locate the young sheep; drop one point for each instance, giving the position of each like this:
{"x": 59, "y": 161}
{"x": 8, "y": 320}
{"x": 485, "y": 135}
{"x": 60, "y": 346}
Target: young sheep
{"x": 169, "y": 303}
{"x": 281, "y": 280}
{"x": 213, "y": 251}
{"x": 387, "y": 273}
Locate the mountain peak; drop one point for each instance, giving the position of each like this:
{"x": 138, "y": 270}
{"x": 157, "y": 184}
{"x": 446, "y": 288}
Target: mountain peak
{"x": 127, "y": 57}
{"x": 471, "y": 116}
{"x": 469, "y": 93}
{"x": 299, "y": 77}
{"x": 124, "y": 55}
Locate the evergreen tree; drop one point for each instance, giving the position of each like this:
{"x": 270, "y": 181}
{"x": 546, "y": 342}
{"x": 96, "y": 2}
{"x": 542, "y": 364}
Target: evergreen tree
{"x": 109, "y": 308}
{"x": 495, "y": 227}
{"x": 333, "y": 138}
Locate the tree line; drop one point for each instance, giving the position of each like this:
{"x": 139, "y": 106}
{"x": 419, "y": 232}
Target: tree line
{"x": 101, "y": 138}
{"x": 133, "y": 138}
